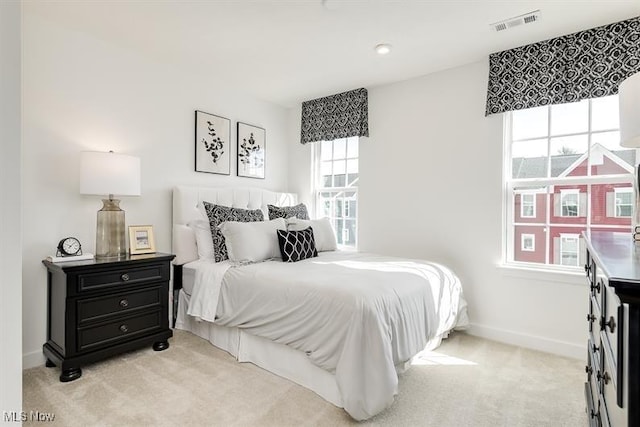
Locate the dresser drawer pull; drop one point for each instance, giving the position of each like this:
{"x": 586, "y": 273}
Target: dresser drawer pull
{"x": 596, "y": 286}
{"x": 124, "y": 303}
{"x": 589, "y": 370}
{"x": 611, "y": 324}
{"x": 594, "y": 348}
{"x": 124, "y": 328}
{"x": 594, "y": 414}
{"x": 605, "y": 378}
{"x": 591, "y": 318}
{"x": 125, "y": 277}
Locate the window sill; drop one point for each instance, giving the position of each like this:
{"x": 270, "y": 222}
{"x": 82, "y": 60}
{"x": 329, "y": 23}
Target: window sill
{"x": 577, "y": 278}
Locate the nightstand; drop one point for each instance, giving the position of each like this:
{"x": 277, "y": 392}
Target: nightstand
{"x": 100, "y": 308}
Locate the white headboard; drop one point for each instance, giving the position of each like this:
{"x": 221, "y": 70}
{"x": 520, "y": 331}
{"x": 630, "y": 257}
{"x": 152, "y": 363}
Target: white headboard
{"x": 185, "y": 209}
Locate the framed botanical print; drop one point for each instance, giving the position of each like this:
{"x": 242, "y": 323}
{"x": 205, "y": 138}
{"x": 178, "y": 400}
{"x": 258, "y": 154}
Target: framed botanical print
{"x": 213, "y": 143}
{"x": 252, "y": 151}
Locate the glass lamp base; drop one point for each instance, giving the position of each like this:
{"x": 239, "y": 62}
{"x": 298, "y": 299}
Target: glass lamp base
{"x": 110, "y": 232}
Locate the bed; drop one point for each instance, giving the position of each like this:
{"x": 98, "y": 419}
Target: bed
{"x": 342, "y": 324}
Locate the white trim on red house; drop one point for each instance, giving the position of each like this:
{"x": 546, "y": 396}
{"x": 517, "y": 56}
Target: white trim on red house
{"x": 527, "y": 248}
{"x": 532, "y": 203}
{"x": 617, "y": 190}
{"x": 596, "y": 149}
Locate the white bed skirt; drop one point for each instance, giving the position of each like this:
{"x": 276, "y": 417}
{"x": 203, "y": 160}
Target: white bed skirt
{"x": 276, "y": 358}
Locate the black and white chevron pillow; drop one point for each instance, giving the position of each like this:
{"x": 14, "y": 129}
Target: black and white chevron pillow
{"x": 297, "y": 245}
{"x": 298, "y": 211}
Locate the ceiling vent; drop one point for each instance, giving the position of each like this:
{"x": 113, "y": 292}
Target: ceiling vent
{"x": 527, "y": 18}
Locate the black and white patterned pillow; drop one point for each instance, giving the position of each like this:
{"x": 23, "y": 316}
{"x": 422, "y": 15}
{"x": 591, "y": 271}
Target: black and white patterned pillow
{"x": 297, "y": 245}
{"x": 299, "y": 211}
{"x": 218, "y": 214}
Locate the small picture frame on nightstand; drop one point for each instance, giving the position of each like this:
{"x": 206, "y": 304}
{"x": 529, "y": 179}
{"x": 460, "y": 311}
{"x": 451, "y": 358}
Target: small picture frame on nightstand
{"x": 141, "y": 240}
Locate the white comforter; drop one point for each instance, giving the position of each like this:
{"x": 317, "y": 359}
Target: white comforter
{"x": 354, "y": 314}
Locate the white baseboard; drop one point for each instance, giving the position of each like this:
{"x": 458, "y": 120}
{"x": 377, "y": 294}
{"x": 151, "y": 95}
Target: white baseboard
{"x": 33, "y": 359}
{"x": 533, "y": 342}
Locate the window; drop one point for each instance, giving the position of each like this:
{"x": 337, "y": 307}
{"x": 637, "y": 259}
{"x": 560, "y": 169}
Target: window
{"x": 336, "y": 186}
{"x": 569, "y": 202}
{"x": 623, "y": 201}
{"x": 528, "y": 205}
{"x": 569, "y": 249}
{"x": 565, "y": 173}
{"x": 528, "y": 242}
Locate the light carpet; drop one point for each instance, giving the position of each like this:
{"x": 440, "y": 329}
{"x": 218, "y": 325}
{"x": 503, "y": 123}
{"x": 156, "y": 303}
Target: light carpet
{"x": 467, "y": 381}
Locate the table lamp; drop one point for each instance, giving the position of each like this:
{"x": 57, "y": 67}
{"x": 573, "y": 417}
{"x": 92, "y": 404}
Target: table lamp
{"x": 110, "y": 174}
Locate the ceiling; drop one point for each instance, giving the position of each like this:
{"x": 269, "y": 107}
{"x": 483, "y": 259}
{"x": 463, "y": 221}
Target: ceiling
{"x": 288, "y": 51}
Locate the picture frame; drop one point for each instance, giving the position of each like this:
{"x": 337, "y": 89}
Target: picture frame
{"x": 212, "y": 143}
{"x": 141, "y": 240}
{"x": 252, "y": 151}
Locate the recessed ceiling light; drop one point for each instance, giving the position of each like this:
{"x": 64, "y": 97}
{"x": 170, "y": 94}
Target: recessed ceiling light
{"x": 383, "y": 48}
{"x": 330, "y": 4}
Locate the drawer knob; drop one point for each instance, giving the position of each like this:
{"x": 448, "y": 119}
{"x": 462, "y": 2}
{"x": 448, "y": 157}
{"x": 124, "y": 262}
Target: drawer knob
{"x": 605, "y": 378}
{"x": 591, "y": 318}
{"x": 594, "y": 348}
{"x": 124, "y": 303}
{"x": 611, "y": 324}
{"x": 124, "y": 328}
{"x": 588, "y": 369}
{"x": 596, "y": 287}
{"x": 125, "y": 277}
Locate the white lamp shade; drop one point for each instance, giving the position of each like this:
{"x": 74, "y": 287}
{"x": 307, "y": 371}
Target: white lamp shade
{"x": 629, "y": 98}
{"x": 109, "y": 173}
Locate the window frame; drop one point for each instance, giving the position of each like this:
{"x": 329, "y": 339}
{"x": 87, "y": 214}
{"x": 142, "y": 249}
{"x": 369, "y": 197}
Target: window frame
{"x": 525, "y": 236}
{"x": 569, "y": 192}
{"x": 576, "y": 238}
{"x": 532, "y": 204}
{"x": 513, "y": 186}
{"x": 616, "y": 205}
{"x": 339, "y": 191}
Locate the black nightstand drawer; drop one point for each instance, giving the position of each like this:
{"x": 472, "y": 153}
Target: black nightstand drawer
{"x": 93, "y": 309}
{"x": 118, "y": 330}
{"x": 124, "y": 276}
{"x": 103, "y": 307}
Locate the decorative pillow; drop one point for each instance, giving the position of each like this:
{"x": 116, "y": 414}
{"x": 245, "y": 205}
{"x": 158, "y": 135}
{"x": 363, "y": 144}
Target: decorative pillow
{"x": 218, "y": 214}
{"x": 204, "y": 240}
{"x": 323, "y": 234}
{"x": 298, "y": 211}
{"x": 184, "y": 244}
{"x": 252, "y": 241}
{"x": 297, "y": 245}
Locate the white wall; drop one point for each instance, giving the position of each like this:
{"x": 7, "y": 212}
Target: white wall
{"x": 10, "y": 210}
{"x": 81, "y": 93}
{"x": 430, "y": 187}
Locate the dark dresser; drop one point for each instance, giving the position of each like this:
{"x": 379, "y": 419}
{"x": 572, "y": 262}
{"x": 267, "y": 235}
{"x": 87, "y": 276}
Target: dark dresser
{"x": 612, "y": 389}
{"x": 97, "y": 309}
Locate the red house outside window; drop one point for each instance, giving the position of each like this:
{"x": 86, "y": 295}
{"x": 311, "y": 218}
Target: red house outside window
{"x": 566, "y": 173}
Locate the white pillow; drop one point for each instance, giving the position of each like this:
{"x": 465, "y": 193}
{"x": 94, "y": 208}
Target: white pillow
{"x": 252, "y": 241}
{"x": 204, "y": 241}
{"x": 323, "y": 233}
{"x": 184, "y": 244}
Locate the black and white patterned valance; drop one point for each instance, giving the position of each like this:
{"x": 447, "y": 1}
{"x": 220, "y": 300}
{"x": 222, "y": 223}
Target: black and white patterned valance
{"x": 587, "y": 64}
{"x": 336, "y": 116}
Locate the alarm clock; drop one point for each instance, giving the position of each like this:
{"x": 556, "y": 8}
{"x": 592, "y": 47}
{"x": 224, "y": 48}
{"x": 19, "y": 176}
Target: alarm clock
{"x": 69, "y": 246}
